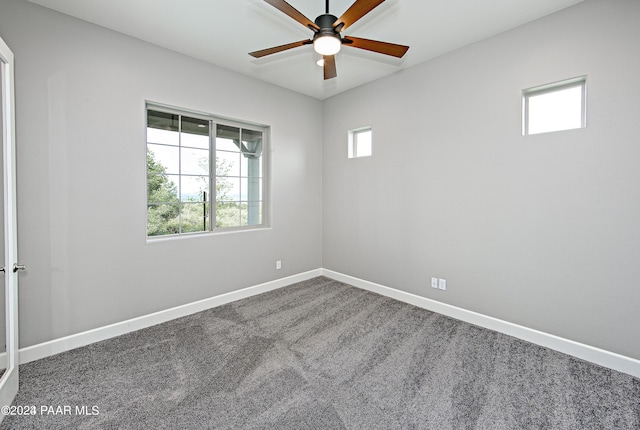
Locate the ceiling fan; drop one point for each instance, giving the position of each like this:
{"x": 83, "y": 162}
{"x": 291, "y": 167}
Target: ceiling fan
{"x": 326, "y": 34}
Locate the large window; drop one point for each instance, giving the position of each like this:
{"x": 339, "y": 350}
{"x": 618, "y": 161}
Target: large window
{"x": 203, "y": 173}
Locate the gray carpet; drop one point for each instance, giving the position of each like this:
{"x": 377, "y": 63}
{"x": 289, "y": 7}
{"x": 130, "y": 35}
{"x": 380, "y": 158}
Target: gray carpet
{"x": 323, "y": 355}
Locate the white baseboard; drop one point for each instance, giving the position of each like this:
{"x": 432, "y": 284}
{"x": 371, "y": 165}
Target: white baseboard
{"x": 67, "y": 343}
{"x": 594, "y": 355}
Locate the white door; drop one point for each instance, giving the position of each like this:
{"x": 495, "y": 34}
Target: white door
{"x": 9, "y": 264}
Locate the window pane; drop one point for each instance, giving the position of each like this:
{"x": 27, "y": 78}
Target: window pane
{"x": 162, "y": 120}
{"x": 227, "y": 189}
{"x": 194, "y": 161}
{"x": 255, "y": 168}
{"x": 164, "y": 137}
{"x": 363, "y": 143}
{"x": 226, "y": 145}
{"x": 243, "y": 213}
{"x": 162, "y": 159}
{"x": 227, "y": 215}
{"x": 194, "y": 217}
{"x": 195, "y": 141}
{"x": 253, "y": 189}
{"x": 244, "y": 189}
{"x": 228, "y": 163}
{"x": 163, "y": 219}
{"x": 192, "y": 188}
{"x": 195, "y": 132}
{"x": 162, "y": 188}
{"x": 227, "y": 138}
{"x": 251, "y": 213}
{"x": 251, "y": 167}
{"x": 244, "y": 166}
{"x": 252, "y": 143}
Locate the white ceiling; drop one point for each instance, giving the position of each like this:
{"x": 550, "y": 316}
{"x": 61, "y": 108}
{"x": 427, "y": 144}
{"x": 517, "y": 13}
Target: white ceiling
{"x": 222, "y": 32}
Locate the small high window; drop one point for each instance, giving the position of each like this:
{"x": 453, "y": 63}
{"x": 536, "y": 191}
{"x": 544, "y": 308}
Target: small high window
{"x": 554, "y": 107}
{"x": 360, "y": 142}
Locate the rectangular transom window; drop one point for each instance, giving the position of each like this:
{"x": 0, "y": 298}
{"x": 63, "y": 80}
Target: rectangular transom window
{"x": 554, "y": 107}
{"x": 203, "y": 173}
{"x": 360, "y": 142}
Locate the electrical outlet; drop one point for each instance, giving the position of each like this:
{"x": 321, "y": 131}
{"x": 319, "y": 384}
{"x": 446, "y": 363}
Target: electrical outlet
{"x": 434, "y": 283}
{"x": 442, "y": 284}
{"x": 278, "y": 264}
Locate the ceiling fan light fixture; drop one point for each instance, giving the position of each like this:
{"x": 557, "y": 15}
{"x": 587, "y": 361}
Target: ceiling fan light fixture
{"x": 327, "y": 44}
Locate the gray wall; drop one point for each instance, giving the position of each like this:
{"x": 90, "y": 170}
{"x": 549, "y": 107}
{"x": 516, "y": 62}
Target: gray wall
{"x": 541, "y": 231}
{"x": 81, "y": 176}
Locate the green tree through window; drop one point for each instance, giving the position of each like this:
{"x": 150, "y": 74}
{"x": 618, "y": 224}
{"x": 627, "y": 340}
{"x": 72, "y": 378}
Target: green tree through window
{"x": 162, "y": 215}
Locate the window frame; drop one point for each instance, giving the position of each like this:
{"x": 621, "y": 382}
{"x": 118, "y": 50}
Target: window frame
{"x": 214, "y": 121}
{"x": 580, "y": 81}
{"x": 352, "y": 142}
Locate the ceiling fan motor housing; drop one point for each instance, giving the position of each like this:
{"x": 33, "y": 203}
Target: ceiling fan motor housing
{"x": 325, "y": 22}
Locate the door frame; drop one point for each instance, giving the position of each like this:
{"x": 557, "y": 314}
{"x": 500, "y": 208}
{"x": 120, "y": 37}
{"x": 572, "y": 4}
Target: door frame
{"x": 9, "y": 380}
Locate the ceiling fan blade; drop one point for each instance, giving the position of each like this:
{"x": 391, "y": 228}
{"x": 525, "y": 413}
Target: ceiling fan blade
{"x": 291, "y": 11}
{"x": 376, "y": 46}
{"x": 329, "y": 67}
{"x": 357, "y": 10}
{"x": 269, "y": 51}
